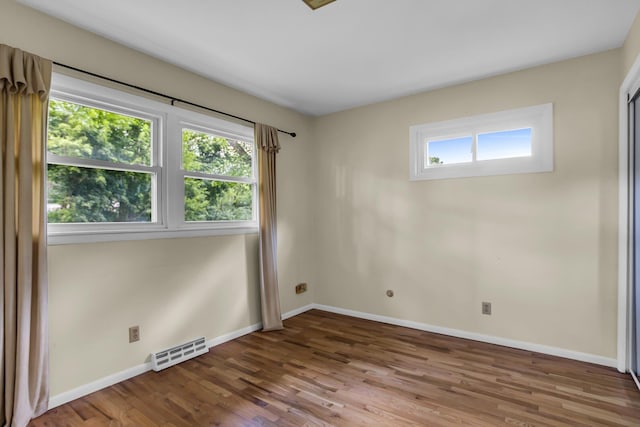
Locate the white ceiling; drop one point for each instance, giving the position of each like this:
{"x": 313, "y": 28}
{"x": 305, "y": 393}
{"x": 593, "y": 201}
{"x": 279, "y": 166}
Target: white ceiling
{"x": 351, "y": 52}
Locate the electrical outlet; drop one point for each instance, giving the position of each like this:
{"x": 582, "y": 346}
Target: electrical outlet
{"x": 301, "y": 287}
{"x": 486, "y": 308}
{"x": 134, "y": 333}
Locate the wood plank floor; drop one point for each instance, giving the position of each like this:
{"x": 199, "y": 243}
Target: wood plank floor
{"x": 328, "y": 369}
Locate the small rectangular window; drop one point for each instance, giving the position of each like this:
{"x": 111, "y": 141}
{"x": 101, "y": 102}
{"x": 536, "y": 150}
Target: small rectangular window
{"x": 507, "y": 142}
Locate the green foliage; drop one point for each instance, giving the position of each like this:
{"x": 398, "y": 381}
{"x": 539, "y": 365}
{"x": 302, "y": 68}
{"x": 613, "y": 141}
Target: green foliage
{"x": 434, "y": 160}
{"x": 91, "y": 133}
{"x": 80, "y": 194}
{"x": 98, "y": 195}
{"x": 203, "y": 152}
{"x": 207, "y": 200}
{"x": 216, "y": 200}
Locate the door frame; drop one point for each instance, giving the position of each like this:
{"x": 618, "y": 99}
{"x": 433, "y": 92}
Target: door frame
{"x": 629, "y": 87}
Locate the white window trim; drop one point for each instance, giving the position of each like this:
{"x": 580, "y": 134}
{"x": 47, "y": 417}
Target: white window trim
{"x": 539, "y": 118}
{"x": 168, "y": 121}
{"x": 189, "y": 123}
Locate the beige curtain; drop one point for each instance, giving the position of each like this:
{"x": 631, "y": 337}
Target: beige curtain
{"x": 25, "y": 80}
{"x": 268, "y": 147}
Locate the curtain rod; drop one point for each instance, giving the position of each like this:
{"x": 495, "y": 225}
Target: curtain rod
{"x": 162, "y": 95}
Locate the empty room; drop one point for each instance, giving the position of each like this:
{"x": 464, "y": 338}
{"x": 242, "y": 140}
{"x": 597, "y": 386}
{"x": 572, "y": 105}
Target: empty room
{"x": 320, "y": 212}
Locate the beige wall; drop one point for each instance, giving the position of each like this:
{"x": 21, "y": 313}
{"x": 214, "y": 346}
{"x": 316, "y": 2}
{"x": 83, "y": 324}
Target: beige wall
{"x": 175, "y": 289}
{"x": 631, "y": 47}
{"x": 540, "y": 247}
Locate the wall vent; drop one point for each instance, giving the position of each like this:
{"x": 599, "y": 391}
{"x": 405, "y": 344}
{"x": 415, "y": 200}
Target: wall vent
{"x": 174, "y": 355}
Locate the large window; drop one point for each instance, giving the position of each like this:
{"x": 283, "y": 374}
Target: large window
{"x": 508, "y": 142}
{"x": 124, "y": 167}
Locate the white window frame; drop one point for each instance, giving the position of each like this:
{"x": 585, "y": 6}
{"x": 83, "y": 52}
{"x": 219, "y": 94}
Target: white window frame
{"x": 539, "y": 118}
{"x": 168, "y": 193}
{"x": 189, "y": 123}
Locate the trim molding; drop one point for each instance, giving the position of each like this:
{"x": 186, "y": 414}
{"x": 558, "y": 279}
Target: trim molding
{"x": 110, "y": 380}
{"x": 629, "y": 87}
{"x": 83, "y": 390}
{"x": 635, "y": 379}
{"x": 522, "y": 345}
{"x": 233, "y": 335}
{"x": 297, "y": 311}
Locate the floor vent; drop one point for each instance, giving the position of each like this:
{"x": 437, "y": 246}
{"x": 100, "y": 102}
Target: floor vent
{"x": 172, "y": 356}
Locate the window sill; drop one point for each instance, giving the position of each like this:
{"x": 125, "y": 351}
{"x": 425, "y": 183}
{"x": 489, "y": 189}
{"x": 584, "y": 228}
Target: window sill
{"x": 485, "y": 168}
{"x": 70, "y": 238}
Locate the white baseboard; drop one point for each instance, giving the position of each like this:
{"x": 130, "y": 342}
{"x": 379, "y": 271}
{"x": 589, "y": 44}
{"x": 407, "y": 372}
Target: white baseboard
{"x": 297, "y": 311}
{"x": 76, "y": 393}
{"x": 233, "y": 335}
{"x": 522, "y": 345}
{"x": 635, "y": 379}
{"x": 110, "y": 380}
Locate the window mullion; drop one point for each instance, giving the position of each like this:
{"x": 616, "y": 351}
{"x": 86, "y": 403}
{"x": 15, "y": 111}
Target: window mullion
{"x": 158, "y": 199}
{"x": 474, "y": 147}
{"x": 175, "y": 179}
{"x": 256, "y": 184}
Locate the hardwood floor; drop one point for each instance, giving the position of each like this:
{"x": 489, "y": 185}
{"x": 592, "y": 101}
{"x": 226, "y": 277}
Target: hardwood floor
{"x": 328, "y": 369}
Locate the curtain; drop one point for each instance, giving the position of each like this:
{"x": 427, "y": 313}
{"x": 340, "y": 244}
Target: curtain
{"x": 268, "y": 147}
{"x": 25, "y": 81}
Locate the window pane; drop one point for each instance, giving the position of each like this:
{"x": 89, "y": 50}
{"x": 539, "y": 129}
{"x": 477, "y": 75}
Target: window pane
{"x": 448, "y": 151}
{"x": 203, "y": 152}
{"x": 206, "y": 200}
{"x": 81, "y": 195}
{"x": 505, "y": 144}
{"x": 91, "y": 133}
